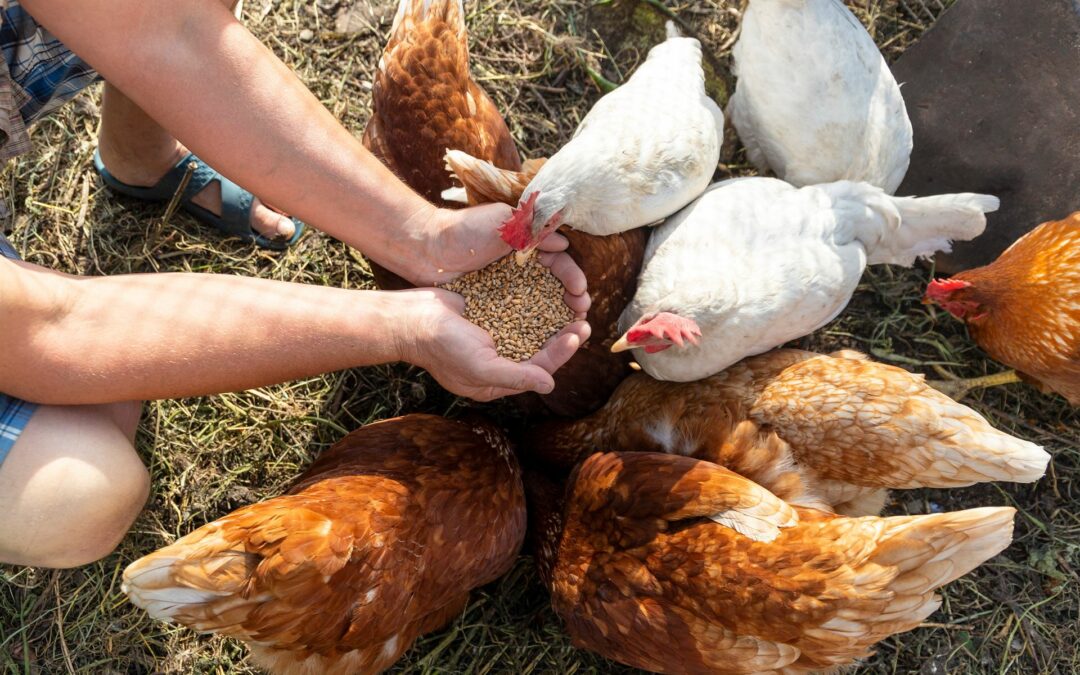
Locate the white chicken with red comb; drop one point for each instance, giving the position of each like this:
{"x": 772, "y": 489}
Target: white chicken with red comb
{"x": 643, "y": 152}
{"x": 756, "y": 262}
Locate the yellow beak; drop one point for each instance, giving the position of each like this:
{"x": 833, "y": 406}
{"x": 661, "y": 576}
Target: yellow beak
{"x": 522, "y": 257}
{"x": 621, "y": 345}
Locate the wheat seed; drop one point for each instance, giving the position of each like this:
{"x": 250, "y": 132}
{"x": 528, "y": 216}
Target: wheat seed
{"x": 520, "y": 306}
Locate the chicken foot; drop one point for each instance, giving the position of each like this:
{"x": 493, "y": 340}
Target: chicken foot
{"x": 956, "y": 388}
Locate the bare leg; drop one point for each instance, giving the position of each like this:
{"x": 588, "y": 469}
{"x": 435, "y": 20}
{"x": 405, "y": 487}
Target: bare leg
{"x": 71, "y": 486}
{"x": 138, "y": 151}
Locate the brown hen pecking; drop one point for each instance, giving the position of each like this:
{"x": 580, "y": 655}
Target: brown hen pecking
{"x": 1023, "y": 309}
{"x": 424, "y": 102}
{"x": 855, "y": 427}
{"x": 380, "y": 541}
{"x": 645, "y": 567}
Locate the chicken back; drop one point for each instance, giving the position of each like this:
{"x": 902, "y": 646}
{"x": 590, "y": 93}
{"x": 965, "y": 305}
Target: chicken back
{"x": 380, "y": 541}
{"x": 855, "y": 426}
{"x": 815, "y": 101}
{"x": 639, "y": 575}
{"x": 1023, "y": 309}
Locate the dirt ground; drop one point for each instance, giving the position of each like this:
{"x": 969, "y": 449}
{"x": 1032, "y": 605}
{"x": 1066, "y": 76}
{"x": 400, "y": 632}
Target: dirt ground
{"x": 1020, "y": 613}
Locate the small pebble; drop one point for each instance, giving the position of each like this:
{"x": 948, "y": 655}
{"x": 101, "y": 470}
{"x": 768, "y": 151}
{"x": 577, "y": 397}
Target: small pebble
{"x": 307, "y": 35}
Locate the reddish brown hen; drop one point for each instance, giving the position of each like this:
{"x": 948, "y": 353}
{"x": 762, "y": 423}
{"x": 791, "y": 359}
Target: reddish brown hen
{"x": 647, "y": 566}
{"x": 1023, "y": 309}
{"x": 424, "y": 102}
{"x": 380, "y": 541}
{"x": 855, "y": 427}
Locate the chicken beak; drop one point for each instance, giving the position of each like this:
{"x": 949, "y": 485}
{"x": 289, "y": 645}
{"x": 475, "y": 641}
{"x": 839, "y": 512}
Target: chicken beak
{"x": 522, "y": 257}
{"x": 621, "y": 345}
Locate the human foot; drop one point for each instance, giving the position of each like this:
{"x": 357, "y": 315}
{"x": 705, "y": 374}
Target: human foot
{"x": 152, "y": 162}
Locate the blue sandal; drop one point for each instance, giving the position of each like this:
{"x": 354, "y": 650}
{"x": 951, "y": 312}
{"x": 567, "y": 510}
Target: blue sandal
{"x": 236, "y": 202}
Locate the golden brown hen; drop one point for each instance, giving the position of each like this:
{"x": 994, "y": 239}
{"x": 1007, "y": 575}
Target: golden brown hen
{"x": 855, "y": 427}
{"x": 424, "y": 102}
{"x": 380, "y": 541}
{"x": 646, "y": 567}
{"x": 611, "y": 265}
{"x": 1023, "y": 309}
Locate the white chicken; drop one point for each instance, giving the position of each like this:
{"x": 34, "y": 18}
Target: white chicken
{"x": 815, "y": 101}
{"x": 755, "y": 262}
{"x": 643, "y": 152}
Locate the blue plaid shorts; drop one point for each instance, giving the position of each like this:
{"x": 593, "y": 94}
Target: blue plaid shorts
{"x": 14, "y": 413}
{"x": 37, "y": 75}
{"x": 48, "y": 72}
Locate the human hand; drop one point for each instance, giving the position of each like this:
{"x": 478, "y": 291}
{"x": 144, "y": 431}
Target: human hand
{"x": 461, "y": 356}
{"x": 467, "y": 239}
{"x": 457, "y": 241}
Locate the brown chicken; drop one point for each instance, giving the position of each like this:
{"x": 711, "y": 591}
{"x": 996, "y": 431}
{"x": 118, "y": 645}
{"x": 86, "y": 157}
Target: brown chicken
{"x": 650, "y": 564}
{"x": 424, "y": 102}
{"x": 611, "y": 265}
{"x": 380, "y": 541}
{"x": 855, "y": 427}
{"x": 1023, "y": 309}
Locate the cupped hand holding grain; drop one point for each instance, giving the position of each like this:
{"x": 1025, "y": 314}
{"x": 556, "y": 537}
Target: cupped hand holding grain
{"x": 461, "y": 356}
{"x": 522, "y": 306}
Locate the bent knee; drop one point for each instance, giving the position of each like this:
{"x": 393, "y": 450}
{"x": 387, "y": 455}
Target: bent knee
{"x": 71, "y": 492}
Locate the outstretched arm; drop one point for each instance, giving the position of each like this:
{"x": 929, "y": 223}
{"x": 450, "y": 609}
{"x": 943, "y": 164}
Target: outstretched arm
{"x": 82, "y": 340}
{"x": 200, "y": 74}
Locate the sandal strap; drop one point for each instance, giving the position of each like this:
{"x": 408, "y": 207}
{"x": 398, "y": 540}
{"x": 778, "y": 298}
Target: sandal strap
{"x": 202, "y": 176}
{"x": 236, "y": 205}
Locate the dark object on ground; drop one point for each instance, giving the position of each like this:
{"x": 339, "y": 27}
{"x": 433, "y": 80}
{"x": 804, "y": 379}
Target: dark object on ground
{"x": 992, "y": 90}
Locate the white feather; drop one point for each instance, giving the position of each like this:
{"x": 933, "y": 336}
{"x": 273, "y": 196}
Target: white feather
{"x": 756, "y": 262}
{"x": 643, "y": 152}
{"x": 815, "y": 102}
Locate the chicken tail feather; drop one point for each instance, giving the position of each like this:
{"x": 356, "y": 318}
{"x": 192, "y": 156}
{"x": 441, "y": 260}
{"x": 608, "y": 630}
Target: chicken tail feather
{"x": 930, "y": 551}
{"x": 451, "y": 12}
{"x": 930, "y": 224}
{"x": 486, "y": 183}
{"x": 896, "y": 581}
{"x": 185, "y": 583}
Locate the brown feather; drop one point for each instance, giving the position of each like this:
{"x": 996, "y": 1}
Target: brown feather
{"x": 850, "y": 422}
{"x": 378, "y": 542}
{"x": 1031, "y": 299}
{"x": 655, "y": 587}
{"x": 424, "y": 102}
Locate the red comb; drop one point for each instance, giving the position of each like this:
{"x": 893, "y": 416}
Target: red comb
{"x": 517, "y": 230}
{"x": 943, "y": 288}
{"x": 671, "y": 328}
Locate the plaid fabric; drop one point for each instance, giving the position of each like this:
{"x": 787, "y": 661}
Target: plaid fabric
{"x": 14, "y": 413}
{"x": 40, "y": 75}
{"x": 14, "y": 416}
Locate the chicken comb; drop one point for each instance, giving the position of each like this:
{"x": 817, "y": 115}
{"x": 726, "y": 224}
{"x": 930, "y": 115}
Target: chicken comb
{"x": 943, "y": 288}
{"x": 517, "y": 230}
{"x": 665, "y": 326}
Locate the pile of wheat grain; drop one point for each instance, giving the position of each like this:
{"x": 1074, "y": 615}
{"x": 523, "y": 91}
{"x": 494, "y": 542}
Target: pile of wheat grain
{"x": 521, "y": 306}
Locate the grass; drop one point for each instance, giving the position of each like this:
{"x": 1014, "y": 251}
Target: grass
{"x": 1020, "y": 613}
